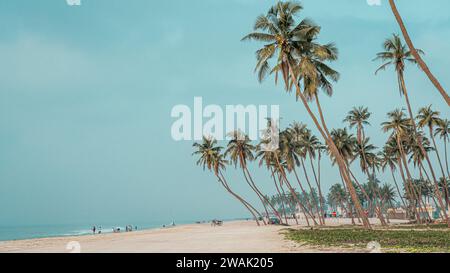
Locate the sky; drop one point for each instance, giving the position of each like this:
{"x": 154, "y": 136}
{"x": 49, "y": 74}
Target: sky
{"x": 86, "y": 94}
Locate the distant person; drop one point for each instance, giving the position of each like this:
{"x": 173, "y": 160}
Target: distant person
{"x": 93, "y": 229}
{"x": 99, "y": 230}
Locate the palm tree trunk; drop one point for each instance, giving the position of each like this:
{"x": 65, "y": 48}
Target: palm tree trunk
{"x": 250, "y": 208}
{"x": 316, "y": 206}
{"x": 287, "y": 202}
{"x": 332, "y": 146}
{"x": 257, "y": 193}
{"x": 262, "y": 195}
{"x": 425, "y": 154}
{"x": 446, "y": 193}
{"x": 378, "y": 210}
{"x": 396, "y": 186}
{"x": 350, "y": 209}
{"x": 308, "y": 204}
{"x": 416, "y": 55}
{"x": 279, "y": 194}
{"x": 321, "y": 216}
{"x": 437, "y": 152}
{"x": 341, "y": 163}
{"x": 446, "y": 156}
{"x": 408, "y": 173}
{"x": 305, "y": 212}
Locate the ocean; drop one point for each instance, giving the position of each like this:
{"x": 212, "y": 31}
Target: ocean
{"x": 47, "y": 231}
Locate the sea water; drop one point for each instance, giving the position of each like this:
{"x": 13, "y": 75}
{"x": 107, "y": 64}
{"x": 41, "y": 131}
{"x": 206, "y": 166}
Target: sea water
{"x": 8, "y": 233}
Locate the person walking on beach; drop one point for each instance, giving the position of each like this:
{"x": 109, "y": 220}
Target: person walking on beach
{"x": 93, "y": 229}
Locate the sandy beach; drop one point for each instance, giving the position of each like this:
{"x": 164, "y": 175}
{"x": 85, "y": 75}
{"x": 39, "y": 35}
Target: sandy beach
{"x": 232, "y": 237}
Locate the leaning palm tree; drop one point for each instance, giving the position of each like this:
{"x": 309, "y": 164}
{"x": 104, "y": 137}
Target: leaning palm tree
{"x": 289, "y": 152}
{"x": 443, "y": 131}
{"x": 240, "y": 151}
{"x": 416, "y": 53}
{"x": 211, "y": 158}
{"x": 429, "y": 118}
{"x": 400, "y": 126}
{"x": 397, "y": 55}
{"x": 388, "y": 159}
{"x": 300, "y": 60}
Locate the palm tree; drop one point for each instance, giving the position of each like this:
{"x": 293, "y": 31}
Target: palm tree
{"x": 240, "y": 150}
{"x": 443, "y": 130}
{"x": 388, "y": 159}
{"x": 300, "y": 59}
{"x": 301, "y": 144}
{"x": 289, "y": 152}
{"x": 416, "y": 53}
{"x": 399, "y": 126}
{"x": 337, "y": 197}
{"x": 358, "y": 117}
{"x": 212, "y": 159}
{"x": 429, "y": 118}
{"x": 396, "y": 54}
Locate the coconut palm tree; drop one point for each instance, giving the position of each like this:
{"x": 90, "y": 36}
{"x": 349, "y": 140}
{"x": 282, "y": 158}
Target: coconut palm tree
{"x": 337, "y": 197}
{"x": 240, "y": 151}
{"x": 211, "y": 158}
{"x": 400, "y": 126}
{"x": 396, "y": 54}
{"x": 388, "y": 159}
{"x": 358, "y": 117}
{"x": 443, "y": 131}
{"x": 290, "y": 154}
{"x": 430, "y": 119}
{"x": 300, "y": 60}
{"x": 302, "y": 144}
{"x": 416, "y": 53}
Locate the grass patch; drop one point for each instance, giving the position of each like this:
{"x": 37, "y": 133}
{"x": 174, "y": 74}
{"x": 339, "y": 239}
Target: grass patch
{"x": 390, "y": 240}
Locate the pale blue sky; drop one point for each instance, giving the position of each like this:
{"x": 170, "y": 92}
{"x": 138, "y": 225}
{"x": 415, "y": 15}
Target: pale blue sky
{"x": 86, "y": 94}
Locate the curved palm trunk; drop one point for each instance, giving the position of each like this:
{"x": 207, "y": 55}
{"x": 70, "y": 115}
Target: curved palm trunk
{"x": 434, "y": 199}
{"x": 446, "y": 193}
{"x": 416, "y": 55}
{"x": 446, "y": 156}
{"x": 342, "y": 165}
{"x": 437, "y": 152}
{"x": 286, "y": 201}
{"x": 265, "y": 200}
{"x": 308, "y": 204}
{"x": 259, "y": 196}
{"x": 397, "y": 187}
{"x": 425, "y": 154}
{"x": 250, "y": 208}
{"x": 282, "y": 197}
{"x": 349, "y": 210}
{"x": 378, "y": 209}
{"x": 316, "y": 206}
{"x": 415, "y": 195}
{"x": 409, "y": 194}
{"x": 333, "y": 148}
{"x": 322, "y": 212}
{"x": 305, "y": 212}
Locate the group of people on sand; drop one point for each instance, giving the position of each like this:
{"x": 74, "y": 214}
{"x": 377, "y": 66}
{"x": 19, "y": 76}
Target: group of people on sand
{"x": 98, "y": 230}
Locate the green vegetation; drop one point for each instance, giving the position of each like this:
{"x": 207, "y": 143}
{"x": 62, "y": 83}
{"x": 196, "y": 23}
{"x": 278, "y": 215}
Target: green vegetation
{"x": 391, "y": 240}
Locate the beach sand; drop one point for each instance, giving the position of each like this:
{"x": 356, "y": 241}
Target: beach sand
{"x": 232, "y": 237}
